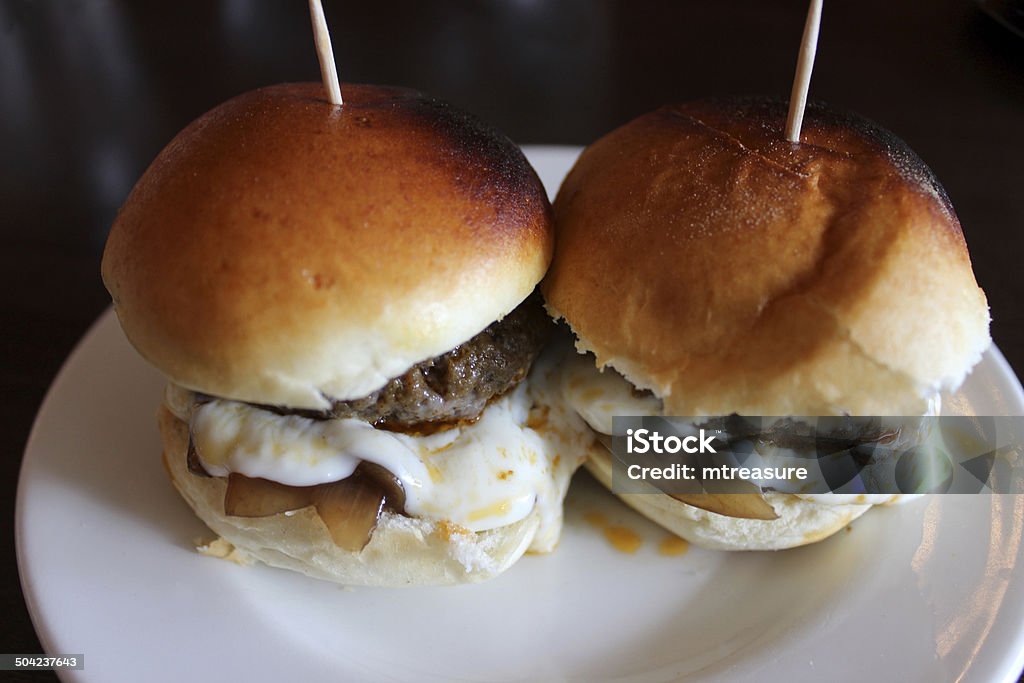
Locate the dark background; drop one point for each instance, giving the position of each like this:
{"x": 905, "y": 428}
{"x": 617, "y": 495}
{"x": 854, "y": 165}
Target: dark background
{"x": 91, "y": 90}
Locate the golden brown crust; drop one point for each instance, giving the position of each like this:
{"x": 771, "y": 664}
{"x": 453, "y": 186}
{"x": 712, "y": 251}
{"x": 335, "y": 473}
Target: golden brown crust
{"x": 707, "y": 259}
{"x": 280, "y": 247}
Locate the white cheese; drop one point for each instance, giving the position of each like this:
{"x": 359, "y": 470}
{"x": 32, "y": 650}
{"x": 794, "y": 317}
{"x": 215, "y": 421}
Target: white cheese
{"x": 520, "y": 454}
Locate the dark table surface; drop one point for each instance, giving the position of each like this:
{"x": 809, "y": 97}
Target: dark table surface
{"x": 91, "y": 90}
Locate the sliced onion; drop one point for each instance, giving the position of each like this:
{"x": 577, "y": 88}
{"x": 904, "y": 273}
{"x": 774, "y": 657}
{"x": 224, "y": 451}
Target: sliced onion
{"x": 350, "y": 508}
{"x": 388, "y": 482}
{"x": 742, "y": 505}
{"x": 252, "y": 497}
{"x": 195, "y": 465}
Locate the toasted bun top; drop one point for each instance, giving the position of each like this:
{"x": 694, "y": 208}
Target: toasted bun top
{"x": 281, "y": 249}
{"x": 706, "y": 258}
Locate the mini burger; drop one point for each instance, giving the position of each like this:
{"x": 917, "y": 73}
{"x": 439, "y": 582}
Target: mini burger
{"x": 342, "y": 299}
{"x": 708, "y": 267}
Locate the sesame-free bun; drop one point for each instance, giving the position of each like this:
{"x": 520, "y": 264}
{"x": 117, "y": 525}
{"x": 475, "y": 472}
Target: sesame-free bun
{"x": 402, "y": 550}
{"x": 729, "y": 271}
{"x": 799, "y": 521}
{"x": 281, "y": 250}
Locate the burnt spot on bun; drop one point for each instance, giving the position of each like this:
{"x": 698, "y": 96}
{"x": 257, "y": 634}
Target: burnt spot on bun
{"x": 492, "y": 168}
{"x": 758, "y": 122}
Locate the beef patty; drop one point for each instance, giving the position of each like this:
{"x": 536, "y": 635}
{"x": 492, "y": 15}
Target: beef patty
{"x": 457, "y": 385}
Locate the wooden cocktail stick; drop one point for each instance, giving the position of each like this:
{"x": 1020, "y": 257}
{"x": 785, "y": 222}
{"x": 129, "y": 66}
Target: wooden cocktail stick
{"x": 324, "y": 52}
{"x": 804, "y": 65}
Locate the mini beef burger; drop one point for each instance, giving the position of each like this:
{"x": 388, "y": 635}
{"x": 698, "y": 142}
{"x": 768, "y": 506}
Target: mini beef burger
{"x": 709, "y": 267}
{"x": 342, "y": 300}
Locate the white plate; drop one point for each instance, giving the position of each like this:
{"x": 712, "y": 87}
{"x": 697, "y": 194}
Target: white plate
{"x": 929, "y": 591}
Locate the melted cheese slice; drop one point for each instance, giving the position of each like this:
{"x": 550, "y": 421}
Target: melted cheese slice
{"x": 519, "y": 455}
{"x": 599, "y": 395}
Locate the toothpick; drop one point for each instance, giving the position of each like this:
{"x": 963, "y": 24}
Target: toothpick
{"x": 804, "y": 65}
{"x": 324, "y": 52}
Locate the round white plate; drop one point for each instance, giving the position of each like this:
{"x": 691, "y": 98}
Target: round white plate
{"x": 929, "y": 591}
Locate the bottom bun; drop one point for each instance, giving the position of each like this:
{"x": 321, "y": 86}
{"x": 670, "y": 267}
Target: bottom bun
{"x": 402, "y": 551}
{"x": 800, "y": 521}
